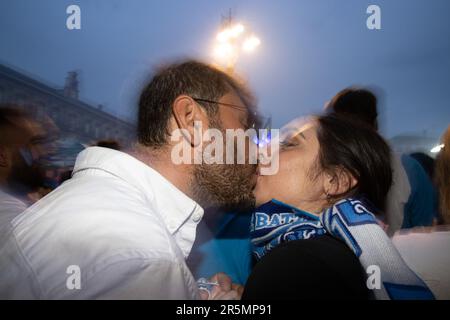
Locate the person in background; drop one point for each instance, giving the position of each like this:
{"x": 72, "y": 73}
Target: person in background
{"x": 427, "y": 249}
{"x": 223, "y": 245}
{"x": 442, "y": 177}
{"x": 412, "y": 199}
{"x": 426, "y": 162}
{"x": 64, "y": 176}
{"x": 21, "y": 149}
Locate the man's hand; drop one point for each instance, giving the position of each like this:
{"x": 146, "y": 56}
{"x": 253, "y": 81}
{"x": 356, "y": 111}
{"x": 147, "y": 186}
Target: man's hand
{"x": 224, "y": 290}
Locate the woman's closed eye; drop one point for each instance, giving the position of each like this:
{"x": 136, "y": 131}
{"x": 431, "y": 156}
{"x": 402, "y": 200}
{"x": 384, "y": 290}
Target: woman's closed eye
{"x": 292, "y": 142}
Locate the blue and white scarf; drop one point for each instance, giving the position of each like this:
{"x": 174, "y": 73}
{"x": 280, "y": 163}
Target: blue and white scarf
{"x": 350, "y": 221}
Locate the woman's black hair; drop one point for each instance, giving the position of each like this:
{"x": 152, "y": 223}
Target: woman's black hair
{"x": 354, "y": 146}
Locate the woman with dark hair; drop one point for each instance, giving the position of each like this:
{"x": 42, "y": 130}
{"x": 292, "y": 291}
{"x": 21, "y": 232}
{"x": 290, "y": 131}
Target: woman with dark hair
{"x": 314, "y": 233}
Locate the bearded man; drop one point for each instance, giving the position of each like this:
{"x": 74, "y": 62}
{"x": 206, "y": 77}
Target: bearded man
{"x": 123, "y": 225}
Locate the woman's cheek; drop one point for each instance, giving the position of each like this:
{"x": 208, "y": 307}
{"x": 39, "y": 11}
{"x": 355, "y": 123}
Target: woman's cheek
{"x": 284, "y": 185}
{"x": 262, "y": 190}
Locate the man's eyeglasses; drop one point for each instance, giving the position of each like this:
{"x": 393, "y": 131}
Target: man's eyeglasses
{"x": 255, "y": 120}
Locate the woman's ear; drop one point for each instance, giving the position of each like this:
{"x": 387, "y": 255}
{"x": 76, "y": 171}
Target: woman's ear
{"x": 190, "y": 119}
{"x": 339, "y": 182}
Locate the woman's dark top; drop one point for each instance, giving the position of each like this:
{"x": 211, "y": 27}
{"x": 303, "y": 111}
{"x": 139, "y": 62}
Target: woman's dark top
{"x": 318, "y": 268}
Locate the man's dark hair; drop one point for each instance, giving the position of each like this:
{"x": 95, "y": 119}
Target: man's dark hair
{"x": 191, "y": 78}
{"x": 351, "y": 145}
{"x": 356, "y": 102}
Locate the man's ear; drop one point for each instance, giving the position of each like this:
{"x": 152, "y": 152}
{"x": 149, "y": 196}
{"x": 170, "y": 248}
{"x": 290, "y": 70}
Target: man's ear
{"x": 339, "y": 182}
{"x": 190, "y": 118}
{"x": 4, "y": 158}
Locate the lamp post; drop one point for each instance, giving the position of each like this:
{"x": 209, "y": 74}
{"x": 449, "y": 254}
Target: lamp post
{"x": 231, "y": 41}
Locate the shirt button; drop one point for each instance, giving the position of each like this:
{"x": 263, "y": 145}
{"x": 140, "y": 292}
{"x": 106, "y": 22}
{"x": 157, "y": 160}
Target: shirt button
{"x": 197, "y": 217}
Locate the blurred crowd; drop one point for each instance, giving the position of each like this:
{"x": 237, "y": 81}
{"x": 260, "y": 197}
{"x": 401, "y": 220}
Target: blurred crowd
{"x": 28, "y": 147}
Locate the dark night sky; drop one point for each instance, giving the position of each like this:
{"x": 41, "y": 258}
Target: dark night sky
{"x": 310, "y": 50}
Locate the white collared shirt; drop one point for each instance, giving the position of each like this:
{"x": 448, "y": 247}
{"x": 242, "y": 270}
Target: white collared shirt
{"x": 116, "y": 230}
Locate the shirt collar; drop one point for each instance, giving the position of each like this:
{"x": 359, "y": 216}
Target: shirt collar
{"x": 168, "y": 201}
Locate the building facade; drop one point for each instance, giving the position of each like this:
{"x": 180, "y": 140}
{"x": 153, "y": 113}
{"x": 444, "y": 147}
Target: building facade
{"x": 77, "y": 123}
{"x": 75, "y": 119}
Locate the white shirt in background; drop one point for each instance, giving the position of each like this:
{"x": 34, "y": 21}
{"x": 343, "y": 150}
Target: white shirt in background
{"x": 427, "y": 252}
{"x": 397, "y": 196}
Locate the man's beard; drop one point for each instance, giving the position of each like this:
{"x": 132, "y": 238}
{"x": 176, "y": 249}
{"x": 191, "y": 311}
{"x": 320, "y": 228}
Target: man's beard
{"x": 224, "y": 186}
{"x": 227, "y": 187}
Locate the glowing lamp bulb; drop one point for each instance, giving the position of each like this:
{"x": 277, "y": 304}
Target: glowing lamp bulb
{"x": 250, "y": 44}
